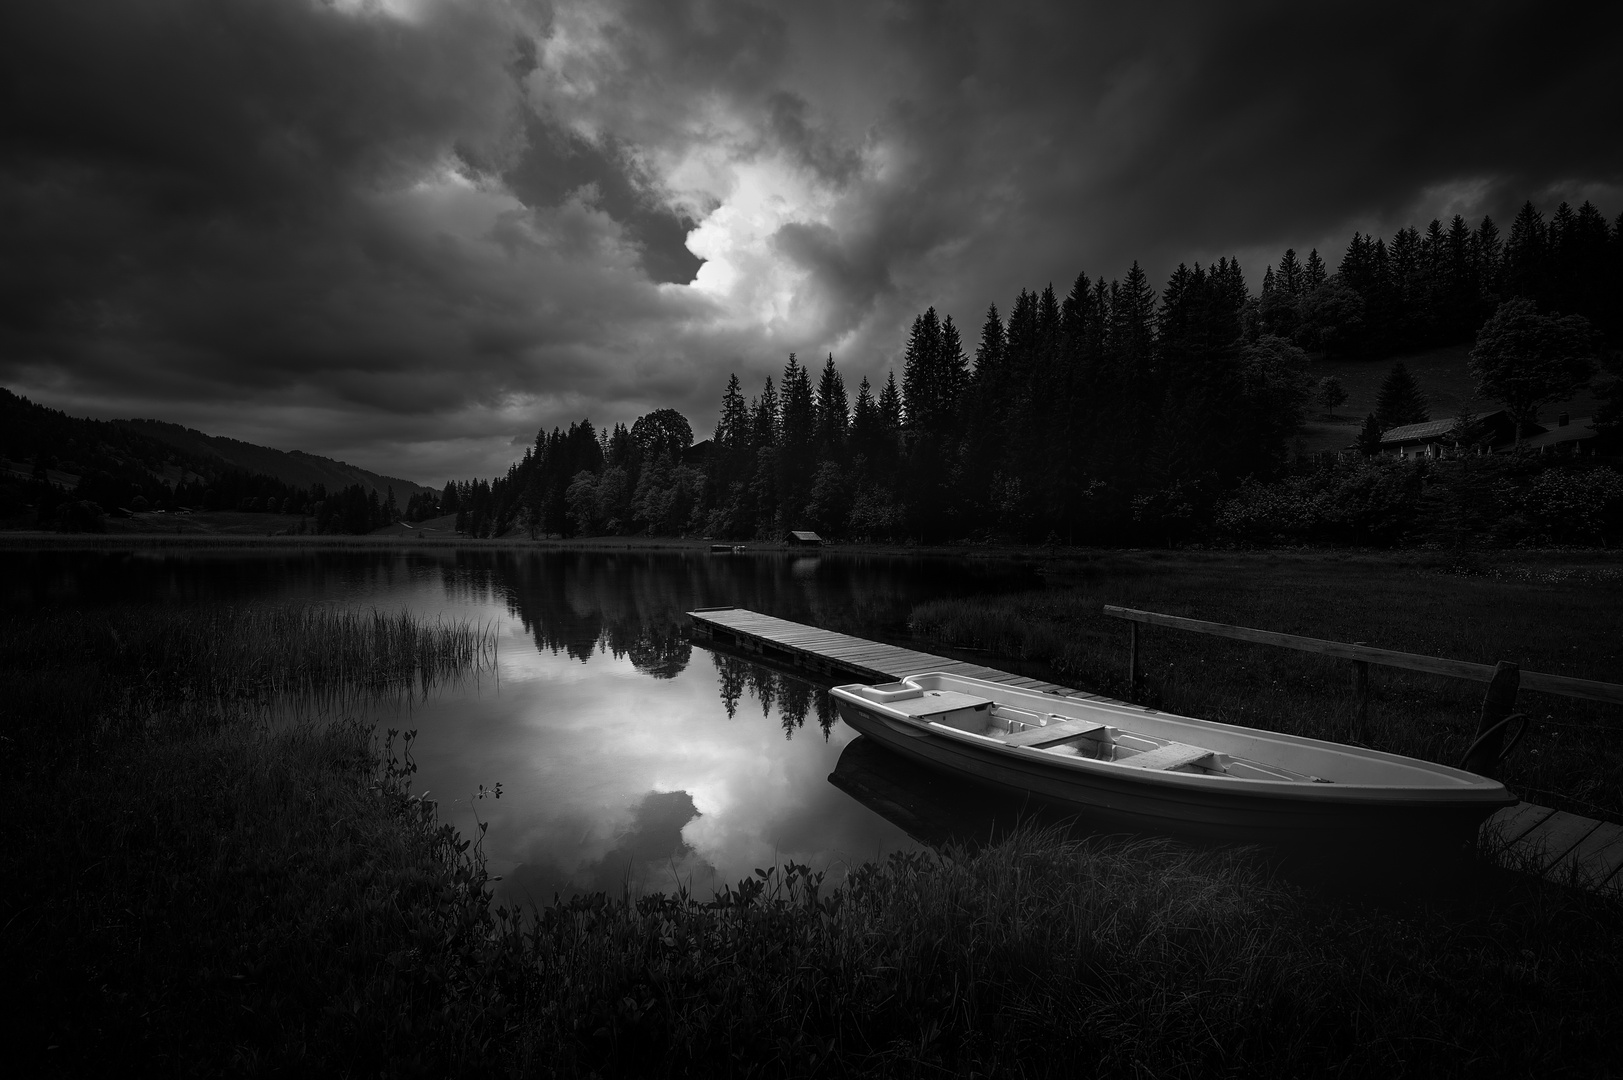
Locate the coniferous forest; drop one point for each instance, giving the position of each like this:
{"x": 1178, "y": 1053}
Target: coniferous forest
{"x": 1112, "y": 413}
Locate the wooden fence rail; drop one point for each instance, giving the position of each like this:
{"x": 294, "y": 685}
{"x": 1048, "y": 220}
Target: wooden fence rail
{"x": 1363, "y": 655}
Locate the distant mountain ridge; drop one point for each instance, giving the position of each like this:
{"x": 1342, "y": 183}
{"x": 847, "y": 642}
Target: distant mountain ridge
{"x": 138, "y": 453}
{"x": 292, "y": 467}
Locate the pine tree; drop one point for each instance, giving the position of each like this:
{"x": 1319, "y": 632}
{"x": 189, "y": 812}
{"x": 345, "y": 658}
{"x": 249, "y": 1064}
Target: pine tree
{"x": 764, "y": 417}
{"x": 1399, "y": 401}
{"x": 797, "y": 420}
{"x": 833, "y": 413}
{"x": 1132, "y": 310}
{"x": 954, "y": 367}
{"x": 1289, "y": 278}
{"x": 890, "y": 406}
{"x": 1313, "y": 274}
{"x": 1526, "y": 251}
{"x": 1369, "y": 437}
{"x": 921, "y": 372}
{"x": 1487, "y": 251}
{"x": 989, "y": 353}
{"x": 865, "y": 424}
{"x": 732, "y": 430}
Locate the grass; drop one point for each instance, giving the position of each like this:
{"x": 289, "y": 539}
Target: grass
{"x": 1561, "y": 614}
{"x": 197, "y": 883}
{"x": 1043, "y": 956}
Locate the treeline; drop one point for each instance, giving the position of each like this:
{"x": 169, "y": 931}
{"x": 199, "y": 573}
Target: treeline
{"x": 1421, "y": 290}
{"x": 1109, "y": 415}
{"x": 640, "y": 479}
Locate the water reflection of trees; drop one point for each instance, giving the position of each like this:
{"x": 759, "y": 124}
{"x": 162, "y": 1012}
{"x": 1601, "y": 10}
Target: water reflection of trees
{"x": 633, "y": 604}
{"x": 796, "y": 699}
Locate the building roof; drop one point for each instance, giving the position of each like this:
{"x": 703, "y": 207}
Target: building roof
{"x": 806, "y": 535}
{"x": 1431, "y": 429}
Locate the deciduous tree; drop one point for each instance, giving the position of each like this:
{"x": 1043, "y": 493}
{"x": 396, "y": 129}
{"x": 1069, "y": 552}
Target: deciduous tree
{"x": 1525, "y": 360}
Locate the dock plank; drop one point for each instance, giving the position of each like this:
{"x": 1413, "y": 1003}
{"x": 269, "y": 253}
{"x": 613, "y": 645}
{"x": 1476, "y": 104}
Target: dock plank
{"x": 1594, "y": 860}
{"x": 1560, "y": 832}
{"x": 1511, "y": 824}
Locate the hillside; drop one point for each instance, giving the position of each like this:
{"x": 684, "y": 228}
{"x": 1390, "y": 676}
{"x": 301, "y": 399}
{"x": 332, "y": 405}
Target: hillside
{"x": 1443, "y": 377}
{"x": 293, "y": 467}
{"x": 132, "y": 454}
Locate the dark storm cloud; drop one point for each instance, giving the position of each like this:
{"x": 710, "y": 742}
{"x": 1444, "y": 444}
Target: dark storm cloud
{"x": 554, "y": 164}
{"x": 1156, "y": 131}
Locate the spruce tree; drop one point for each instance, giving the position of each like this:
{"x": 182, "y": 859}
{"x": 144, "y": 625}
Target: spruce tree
{"x": 833, "y": 413}
{"x": 797, "y": 420}
{"x": 1289, "y": 278}
{"x": 1487, "y": 251}
{"x": 890, "y": 406}
{"x": 1526, "y": 254}
{"x": 865, "y": 423}
{"x": 1369, "y": 437}
{"x": 954, "y": 368}
{"x": 1400, "y": 401}
{"x": 921, "y": 372}
{"x": 764, "y": 417}
{"x": 1313, "y": 274}
{"x": 732, "y": 430}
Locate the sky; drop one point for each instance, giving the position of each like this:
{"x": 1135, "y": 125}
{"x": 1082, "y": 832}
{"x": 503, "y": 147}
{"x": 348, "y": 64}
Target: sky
{"x": 408, "y": 234}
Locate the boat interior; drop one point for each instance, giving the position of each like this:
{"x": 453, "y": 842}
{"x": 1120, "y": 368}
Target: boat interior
{"x": 1067, "y": 736}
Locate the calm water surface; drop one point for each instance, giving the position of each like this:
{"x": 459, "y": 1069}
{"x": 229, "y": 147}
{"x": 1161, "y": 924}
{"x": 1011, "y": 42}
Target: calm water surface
{"x": 627, "y": 755}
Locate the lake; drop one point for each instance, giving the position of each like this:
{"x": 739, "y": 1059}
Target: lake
{"x": 627, "y": 755}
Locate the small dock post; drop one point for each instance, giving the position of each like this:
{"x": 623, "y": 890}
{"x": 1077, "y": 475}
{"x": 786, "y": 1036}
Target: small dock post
{"x": 1132, "y": 660}
{"x": 1360, "y": 700}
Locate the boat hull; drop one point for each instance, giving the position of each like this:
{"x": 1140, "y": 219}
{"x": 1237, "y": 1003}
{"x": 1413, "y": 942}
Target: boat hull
{"x": 1313, "y": 815}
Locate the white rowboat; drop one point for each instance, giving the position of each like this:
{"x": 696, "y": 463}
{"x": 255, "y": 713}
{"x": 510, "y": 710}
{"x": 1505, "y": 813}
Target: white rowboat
{"x": 1158, "y": 772}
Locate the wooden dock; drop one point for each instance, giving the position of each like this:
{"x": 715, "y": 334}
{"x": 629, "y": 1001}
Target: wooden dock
{"x": 1557, "y": 845}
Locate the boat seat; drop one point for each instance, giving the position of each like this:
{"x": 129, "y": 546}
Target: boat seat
{"x": 1054, "y": 733}
{"x": 1170, "y": 756}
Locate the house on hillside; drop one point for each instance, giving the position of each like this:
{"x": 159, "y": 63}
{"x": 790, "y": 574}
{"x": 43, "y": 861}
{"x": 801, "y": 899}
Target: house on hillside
{"x": 803, "y": 538}
{"x": 1491, "y": 433}
{"x": 1434, "y": 438}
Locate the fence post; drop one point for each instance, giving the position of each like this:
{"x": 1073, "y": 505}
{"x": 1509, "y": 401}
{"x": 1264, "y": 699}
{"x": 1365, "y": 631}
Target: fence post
{"x": 1132, "y": 660}
{"x": 1360, "y": 699}
{"x": 1496, "y": 705}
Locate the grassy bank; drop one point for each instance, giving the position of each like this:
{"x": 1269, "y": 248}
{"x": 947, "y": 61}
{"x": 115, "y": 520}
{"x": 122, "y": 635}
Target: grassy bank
{"x": 1549, "y": 612}
{"x": 194, "y": 882}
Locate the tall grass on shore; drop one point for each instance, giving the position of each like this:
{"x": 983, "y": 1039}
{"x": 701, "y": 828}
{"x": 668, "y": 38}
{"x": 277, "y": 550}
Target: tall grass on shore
{"x": 189, "y": 887}
{"x": 1041, "y": 956}
{"x": 1558, "y": 620}
{"x": 75, "y": 679}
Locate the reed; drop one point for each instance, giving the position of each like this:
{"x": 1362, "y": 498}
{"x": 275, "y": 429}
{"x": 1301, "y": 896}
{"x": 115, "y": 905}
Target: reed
{"x": 212, "y": 865}
{"x": 75, "y": 680}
